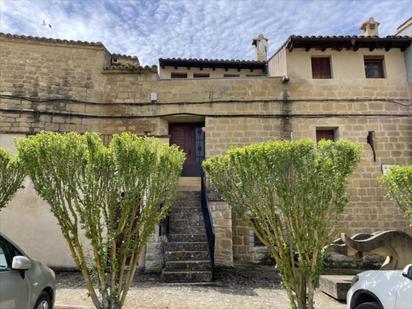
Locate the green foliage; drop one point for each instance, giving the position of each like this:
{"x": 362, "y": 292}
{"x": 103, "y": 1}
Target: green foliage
{"x": 398, "y": 184}
{"x": 115, "y": 196}
{"x": 11, "y": 176}
{"x": 291, "y": 194}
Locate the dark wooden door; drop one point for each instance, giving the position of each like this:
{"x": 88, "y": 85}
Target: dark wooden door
{"x": 184, "y": 136}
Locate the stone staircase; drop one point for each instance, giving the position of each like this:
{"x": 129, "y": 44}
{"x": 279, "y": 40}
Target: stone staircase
{"x": 186, "y": 252}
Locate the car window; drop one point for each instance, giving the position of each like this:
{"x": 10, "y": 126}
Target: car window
{"x": 4, "y": 265}
{"x": 7, "y": 253}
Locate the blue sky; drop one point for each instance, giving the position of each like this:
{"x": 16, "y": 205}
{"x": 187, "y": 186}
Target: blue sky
{"x": 151, "y": 29}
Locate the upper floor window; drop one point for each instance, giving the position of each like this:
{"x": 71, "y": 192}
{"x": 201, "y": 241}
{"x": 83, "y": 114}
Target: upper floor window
{"x": 374, "y": 66}
{"x": 321, "y": 68}
{"x": 201, "y": 75}
{"x": 178, "y": 75}
{"x": 327, "y": 134}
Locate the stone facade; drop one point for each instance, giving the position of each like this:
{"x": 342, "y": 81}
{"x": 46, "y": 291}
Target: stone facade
{"x": 64, "y": 86}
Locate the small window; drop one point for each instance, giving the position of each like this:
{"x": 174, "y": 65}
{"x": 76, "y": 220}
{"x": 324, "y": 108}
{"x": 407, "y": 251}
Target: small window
{"x": 179, "y": 75}
{"x": 374, "y": 66}
{"x": 3, "y": 261}
{"x": 256, "y": 241}
{"x": 231, "y": 75}
{"x": 200, "y": 75}
{"x": 327, "y": 134}
{"x": 321, "y": 68}
{"x": 7, "y": 253}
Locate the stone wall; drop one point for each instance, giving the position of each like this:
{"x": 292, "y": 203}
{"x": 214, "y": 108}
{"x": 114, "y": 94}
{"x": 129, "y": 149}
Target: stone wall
{"x": 62, "y": 87}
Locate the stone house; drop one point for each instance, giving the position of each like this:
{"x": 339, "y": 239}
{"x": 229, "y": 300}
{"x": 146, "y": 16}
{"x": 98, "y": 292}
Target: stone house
{"x": 334, "y": 87}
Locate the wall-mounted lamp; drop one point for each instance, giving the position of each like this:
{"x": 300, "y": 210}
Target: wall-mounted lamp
{"x": 371, "y": 141}
{"x": 153, "y": 97}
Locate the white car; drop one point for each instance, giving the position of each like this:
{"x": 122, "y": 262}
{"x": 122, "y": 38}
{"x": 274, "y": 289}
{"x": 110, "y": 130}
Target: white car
{"x": 381, "y": 289}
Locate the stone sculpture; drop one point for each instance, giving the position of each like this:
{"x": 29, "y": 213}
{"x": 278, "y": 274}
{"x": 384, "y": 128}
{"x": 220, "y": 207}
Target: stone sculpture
{"x": 395, "y": 246}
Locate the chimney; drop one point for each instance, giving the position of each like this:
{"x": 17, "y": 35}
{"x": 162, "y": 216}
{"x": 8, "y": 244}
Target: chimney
{"x": 261, "y": 44}
{"x": 370, "y": 27}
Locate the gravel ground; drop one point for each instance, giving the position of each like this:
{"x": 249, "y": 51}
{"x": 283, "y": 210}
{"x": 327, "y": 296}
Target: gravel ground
{"x": 240, "y": 288}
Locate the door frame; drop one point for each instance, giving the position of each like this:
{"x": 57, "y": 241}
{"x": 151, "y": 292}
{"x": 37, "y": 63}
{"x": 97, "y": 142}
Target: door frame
{"x": 194, "y": 171}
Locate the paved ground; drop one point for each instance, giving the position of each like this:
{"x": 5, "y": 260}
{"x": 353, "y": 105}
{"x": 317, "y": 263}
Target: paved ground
{"x": 240, "y": 289}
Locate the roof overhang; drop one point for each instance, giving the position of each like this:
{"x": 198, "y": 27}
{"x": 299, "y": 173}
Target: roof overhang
{"x": 348, "y": 42}
{"x": 212, "y": 63}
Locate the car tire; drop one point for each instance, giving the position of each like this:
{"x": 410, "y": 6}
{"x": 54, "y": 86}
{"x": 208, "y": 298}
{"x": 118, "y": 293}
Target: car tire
{"x": 43, "y": 302}
{"x": 368, "y": 305}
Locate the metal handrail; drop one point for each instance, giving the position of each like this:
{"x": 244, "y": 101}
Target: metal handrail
{"x": 208, "y": 220}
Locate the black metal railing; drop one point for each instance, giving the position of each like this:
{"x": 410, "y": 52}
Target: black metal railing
{"x": 164, "y": 226}
{"x": 207, "y": 217}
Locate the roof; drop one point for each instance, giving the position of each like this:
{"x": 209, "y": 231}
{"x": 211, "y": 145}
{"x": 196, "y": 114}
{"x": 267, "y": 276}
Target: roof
{"x": 125, "y": 56}
{"x": 212, "y": 63}
{"x": 404, "y": 23}
{"x": 130, "y": 68}
{"x": 347, "y": 42}
{"x": 49, "y": 40}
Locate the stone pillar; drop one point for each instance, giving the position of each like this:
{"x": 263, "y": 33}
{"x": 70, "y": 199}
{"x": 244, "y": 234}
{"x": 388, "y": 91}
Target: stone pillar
{"x": 222, "y": 223}
{"x": 154, "y": 253}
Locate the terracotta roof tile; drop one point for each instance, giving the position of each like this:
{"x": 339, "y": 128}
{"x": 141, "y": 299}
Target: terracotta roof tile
{"x": 125, "y": 56}
{"x": 212, "y": 63}
{"x": 118, "y": 67}
{"x": 49, "y": 40}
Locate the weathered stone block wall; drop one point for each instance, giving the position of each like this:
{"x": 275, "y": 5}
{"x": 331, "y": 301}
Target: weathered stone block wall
{"x": 65, "y": 87}
{"x": 221, "y": 133}
{"x": 222, "y": 224}
{"x": 368, "y": 210}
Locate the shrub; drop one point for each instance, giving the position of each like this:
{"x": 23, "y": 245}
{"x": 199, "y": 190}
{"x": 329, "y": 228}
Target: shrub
{"x": 115, "y": 196}
{"x": 291, "y": 193}
{"x": 398, "y": 184}
{"x": 11, "y": 176}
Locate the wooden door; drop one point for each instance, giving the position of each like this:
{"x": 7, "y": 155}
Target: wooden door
{"x": 183, "y": 135}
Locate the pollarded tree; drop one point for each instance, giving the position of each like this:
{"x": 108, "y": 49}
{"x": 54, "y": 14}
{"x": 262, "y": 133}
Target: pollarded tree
{"x": 398, "y": 184}
{"x": 291, "y": 193}
{"x": 115, "y": 196}
{"x": 11, "y": 176}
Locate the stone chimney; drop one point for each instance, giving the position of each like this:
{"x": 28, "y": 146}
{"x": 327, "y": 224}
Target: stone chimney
{"x": 370, "y": 27}
{"x": 261, "y": 44}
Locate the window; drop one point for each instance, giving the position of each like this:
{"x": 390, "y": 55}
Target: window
{"x": 178, "y": 75}
{"x": 200, "y": 75}
{"x": 231, "y": 75}
{"x": 7, "y": 253}
{"x": 256, "y": 241}
{"x": 374, "y": 66}
{"x": 321, "y": 68}
{"x": 3, "y": 262}
{"x": 327, "y": 134}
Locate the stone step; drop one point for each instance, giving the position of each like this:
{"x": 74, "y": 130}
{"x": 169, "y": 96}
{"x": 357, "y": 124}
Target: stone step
{"x": 184, "y": 222}
{"x": 187, "y": 237}
{"x": 186, "y": 246}
{"x": 185, "y": 229}
{"x": 187, "y": 265}
{"x": 189, "y": 184}
{"x": 187, "y": 215}
{"x": 186, "y": 255}
{"x": 187, "y": 276}
{"x": 187, "y": 195}
{"x": 186, "y": 204}
{"x": 181, "y": 212}
{"x": 336, "y": 286}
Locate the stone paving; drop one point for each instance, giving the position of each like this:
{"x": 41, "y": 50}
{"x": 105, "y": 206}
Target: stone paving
{"x": 234, "y": 288}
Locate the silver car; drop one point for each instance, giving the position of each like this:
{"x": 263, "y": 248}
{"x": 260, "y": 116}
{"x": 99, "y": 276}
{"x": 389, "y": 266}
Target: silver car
{"x": 24, "y": 283}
